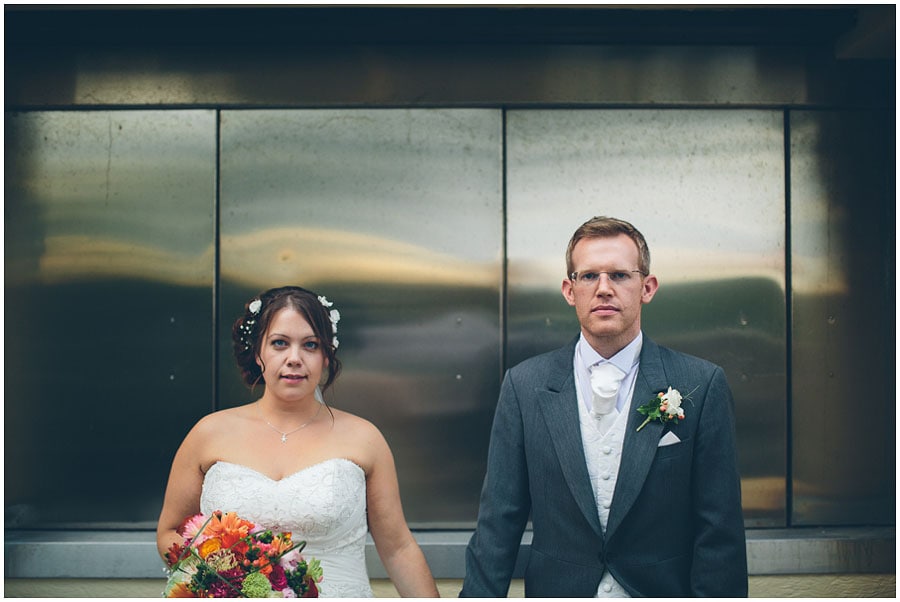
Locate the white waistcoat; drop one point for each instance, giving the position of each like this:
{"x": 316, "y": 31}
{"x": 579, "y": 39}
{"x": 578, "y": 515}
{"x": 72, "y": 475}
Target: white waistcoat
{"x": 603, "y": 454}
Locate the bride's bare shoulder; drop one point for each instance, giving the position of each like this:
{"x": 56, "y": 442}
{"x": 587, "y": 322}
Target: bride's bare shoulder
{"x": 351, "y": 424}
{"x": 360, "y": 440}
{"x": 226, "y": 420}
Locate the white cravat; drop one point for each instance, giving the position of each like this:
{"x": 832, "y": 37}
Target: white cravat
{"x": 606, "y": 379}
{"x": 626, "y": 360}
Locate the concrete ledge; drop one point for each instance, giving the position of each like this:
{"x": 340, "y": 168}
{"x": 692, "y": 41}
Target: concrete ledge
{"x": 132, "y": 554}
{"x": 824, "y": 550}
{"x": 867, "y": 585}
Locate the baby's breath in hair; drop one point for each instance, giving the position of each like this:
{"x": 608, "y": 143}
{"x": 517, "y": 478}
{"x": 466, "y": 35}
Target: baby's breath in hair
{"x": 246, "y": 327}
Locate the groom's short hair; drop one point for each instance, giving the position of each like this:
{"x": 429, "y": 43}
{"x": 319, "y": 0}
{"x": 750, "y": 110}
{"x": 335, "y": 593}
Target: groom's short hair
{"x": 604, "y": 227}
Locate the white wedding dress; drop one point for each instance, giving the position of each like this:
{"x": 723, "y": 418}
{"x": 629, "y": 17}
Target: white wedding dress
{"x": 324, "y": 505}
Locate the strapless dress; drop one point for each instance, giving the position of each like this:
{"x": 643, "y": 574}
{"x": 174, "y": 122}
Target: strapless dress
{"x": 324, "y": 505}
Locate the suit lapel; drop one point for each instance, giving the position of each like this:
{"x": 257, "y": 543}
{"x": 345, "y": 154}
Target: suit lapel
{"x": 559, "y": 407}
{"x": 639, "y": 448}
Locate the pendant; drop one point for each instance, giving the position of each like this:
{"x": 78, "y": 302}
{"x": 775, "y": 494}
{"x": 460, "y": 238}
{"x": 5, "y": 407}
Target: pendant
{"x": 283, "y": 438}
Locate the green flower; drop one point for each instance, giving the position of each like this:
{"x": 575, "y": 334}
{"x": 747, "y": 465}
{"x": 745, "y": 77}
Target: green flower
{"x": 256, "y": 585}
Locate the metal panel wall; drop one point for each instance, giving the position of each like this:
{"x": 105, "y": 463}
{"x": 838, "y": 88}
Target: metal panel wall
{"x": 395, "y": 216}
{"x": 109, "y": 272}
{"x": 843, "y": 303}
{"x": 707, "y": 190}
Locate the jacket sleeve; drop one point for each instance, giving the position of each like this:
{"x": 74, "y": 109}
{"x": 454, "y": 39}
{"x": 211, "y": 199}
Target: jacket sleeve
{"x": 505, "y": 503}
{"x": 719, "y": 566}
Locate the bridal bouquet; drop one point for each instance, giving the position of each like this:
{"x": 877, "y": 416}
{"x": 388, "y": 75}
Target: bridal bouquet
{"x": 225, "y": 556}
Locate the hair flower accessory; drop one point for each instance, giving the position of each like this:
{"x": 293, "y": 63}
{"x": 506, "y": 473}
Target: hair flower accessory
{"x": 334, "y": 316}
{"x": 246, "y": 326}
{"x": 665, "y": 407}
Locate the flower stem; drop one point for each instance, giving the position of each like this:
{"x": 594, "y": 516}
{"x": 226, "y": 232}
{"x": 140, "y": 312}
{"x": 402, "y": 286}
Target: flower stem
{"x": 644, "y": 423}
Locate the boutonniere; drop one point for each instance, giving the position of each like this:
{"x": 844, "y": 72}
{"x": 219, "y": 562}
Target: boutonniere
{"x": 665, "y": 407}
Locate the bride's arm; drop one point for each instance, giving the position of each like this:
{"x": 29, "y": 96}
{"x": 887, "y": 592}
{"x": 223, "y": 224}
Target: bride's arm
{"x": 182, "y": 497}
{"x": 402, "y": 558}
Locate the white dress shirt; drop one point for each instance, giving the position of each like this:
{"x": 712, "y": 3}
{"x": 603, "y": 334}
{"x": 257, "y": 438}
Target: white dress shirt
{"x": 603, "y": 452}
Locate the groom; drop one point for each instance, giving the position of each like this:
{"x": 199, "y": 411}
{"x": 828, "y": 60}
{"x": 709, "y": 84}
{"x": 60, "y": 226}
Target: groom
{"x": 618, "y": 507}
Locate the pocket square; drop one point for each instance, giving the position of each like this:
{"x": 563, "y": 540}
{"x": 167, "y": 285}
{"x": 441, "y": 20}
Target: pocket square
{"x": 669, "y": 438}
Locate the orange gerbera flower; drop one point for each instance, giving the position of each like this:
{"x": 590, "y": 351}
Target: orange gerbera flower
{"x": 229, "y": 528}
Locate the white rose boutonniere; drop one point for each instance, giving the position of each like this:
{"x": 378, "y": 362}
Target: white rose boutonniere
{"x": 665, "y": 407}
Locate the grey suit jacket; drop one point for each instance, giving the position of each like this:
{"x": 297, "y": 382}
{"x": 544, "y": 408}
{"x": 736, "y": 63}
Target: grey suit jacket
{"x": 675, "y": 525}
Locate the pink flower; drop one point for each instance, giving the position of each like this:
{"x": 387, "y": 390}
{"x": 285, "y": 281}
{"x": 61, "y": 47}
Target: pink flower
{"x": 191, "y": 528}
{"x": 290, "y": 560}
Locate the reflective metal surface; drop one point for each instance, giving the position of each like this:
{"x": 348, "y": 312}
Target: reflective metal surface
{"x": 108, "y": 273}
{"x": 707, "y": 190}
{"x": 399, "y": 216}
{"x": 843, "y": 303}
{"x": 395, "y": 216}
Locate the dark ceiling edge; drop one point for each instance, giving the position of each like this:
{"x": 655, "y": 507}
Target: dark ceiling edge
{"x": 143, "y": 25}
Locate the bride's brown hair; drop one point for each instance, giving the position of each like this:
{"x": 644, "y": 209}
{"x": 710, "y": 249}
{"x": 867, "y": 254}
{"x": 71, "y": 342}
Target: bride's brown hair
{"x": 247, "y": 331}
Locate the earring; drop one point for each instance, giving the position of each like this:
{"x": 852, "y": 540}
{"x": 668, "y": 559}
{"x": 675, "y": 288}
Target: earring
{"x": 318, "y": 394}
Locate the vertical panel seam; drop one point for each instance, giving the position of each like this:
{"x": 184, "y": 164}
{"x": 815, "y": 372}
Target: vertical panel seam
{"x": 504, "y": 250}
{"x": 789, "y": 326}
{"x": 216, "y": 258}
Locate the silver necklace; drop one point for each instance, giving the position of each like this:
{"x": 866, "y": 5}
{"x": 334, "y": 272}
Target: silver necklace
{"x": 284, "y": 435}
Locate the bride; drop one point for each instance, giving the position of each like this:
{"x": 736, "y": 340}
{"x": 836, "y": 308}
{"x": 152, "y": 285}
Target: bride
{"x": 290, "y": 463}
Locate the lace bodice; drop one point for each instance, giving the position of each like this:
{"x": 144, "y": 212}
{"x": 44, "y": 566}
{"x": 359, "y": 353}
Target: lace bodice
{"x": 324, "y": 505}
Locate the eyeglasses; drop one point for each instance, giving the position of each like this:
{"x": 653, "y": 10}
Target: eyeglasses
{"x": 589, "y": 278}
